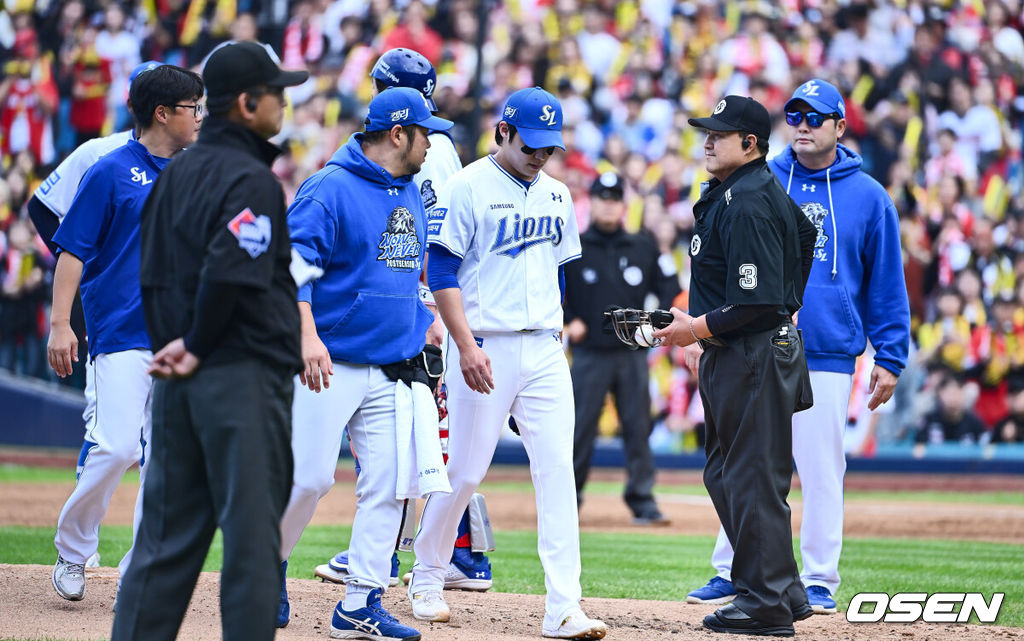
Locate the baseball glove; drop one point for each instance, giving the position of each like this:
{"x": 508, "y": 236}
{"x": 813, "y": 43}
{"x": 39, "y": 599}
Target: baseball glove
{"x": 635, "y": 327}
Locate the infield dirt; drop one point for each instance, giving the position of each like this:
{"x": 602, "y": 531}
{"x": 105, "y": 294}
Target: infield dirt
{"x": 29, "y": 608}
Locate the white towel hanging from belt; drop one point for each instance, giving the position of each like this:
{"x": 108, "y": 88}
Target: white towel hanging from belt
{"x": 421, "y": 469}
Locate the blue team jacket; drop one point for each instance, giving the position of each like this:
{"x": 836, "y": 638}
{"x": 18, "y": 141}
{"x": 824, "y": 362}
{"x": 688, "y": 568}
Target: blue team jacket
{"x": 856, "y": 289}
{"x": 366, "y": 229}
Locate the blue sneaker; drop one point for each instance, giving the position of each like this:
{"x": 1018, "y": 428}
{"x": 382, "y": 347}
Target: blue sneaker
{"x": 336, "y": 569}
{"x": 372, "y": 622}
{"x": 716, "y": 592}
{"x": 284, "y": 611}
{"x": 821, "y": 600}
{"x": 468, "y": 571}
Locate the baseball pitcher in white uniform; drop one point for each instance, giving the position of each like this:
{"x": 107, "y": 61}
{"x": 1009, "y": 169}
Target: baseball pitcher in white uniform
{"x": 498, "y": 237}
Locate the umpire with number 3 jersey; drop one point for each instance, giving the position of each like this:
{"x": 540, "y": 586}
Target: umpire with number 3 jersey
{"x": 219, "y": 302}
{"x": 750, "y": 255}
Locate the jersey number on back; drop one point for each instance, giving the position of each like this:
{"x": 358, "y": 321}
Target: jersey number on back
{"x": 748, "y": 276}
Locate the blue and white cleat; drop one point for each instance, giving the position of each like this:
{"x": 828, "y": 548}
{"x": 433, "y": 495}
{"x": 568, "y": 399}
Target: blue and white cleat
{"x": 821, "y": 600}
{"x": 373, "y": 623}
{"x": 336, "y": 569}
{"x": 717, "y": 592}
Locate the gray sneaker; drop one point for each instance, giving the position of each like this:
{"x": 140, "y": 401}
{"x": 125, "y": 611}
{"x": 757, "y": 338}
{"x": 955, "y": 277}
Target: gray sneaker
{"x": 69, "y": 579}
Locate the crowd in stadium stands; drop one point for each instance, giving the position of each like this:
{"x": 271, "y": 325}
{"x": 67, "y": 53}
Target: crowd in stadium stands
{"x": 935, "y": 105}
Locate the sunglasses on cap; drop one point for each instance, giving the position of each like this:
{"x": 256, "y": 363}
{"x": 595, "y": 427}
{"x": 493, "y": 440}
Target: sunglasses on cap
{"x": 529, "y": 151}
{"x": 814, "y": 119}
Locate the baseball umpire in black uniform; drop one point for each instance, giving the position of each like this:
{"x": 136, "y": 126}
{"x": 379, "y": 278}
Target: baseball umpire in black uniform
{"x": 219, "y": 302}
{"x": 751, "y": 253}
{"x": 617, "y": 269}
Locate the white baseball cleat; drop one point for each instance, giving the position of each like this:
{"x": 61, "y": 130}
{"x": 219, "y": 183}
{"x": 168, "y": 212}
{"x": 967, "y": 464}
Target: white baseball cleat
{"x": 69, "y": 579}
{"x": 93, "y": 561}
{"x": 429, "y": 606}
{"x": 577, "y": 625}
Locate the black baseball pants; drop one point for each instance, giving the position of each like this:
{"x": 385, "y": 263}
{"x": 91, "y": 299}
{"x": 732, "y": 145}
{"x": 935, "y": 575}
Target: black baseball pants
{"x": 221, "y": 458}
{"x": 750, "y": 388}
{"x": 625, "y": 374}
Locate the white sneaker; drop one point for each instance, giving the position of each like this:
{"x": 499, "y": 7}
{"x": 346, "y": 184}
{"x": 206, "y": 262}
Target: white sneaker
{"x": 577, "y": 625}
{"x": 328, "y": 574}
{"x": 93, "y": 561}
{"x": 69, "y": 579}
{"x": 454, "y": 579}
{"x": 429, "y": 606}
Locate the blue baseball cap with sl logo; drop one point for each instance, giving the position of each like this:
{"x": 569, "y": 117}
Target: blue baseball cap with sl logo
{"x": 821, "y": 96}
{"x": 537, "y": 115}
{"x": 402, "y": 106}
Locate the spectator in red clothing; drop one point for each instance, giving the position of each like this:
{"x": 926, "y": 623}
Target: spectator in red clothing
{"x": 414, "y": 33}
{"x": 28, "y": 99}
{"x": 91, "y": 80}
{"x": 303, "y": 38}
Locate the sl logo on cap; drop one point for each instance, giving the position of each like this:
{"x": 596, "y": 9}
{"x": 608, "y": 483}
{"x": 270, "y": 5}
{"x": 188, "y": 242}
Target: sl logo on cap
{"x": 399, "y": 114}
{"x": 719, "y": 108}
{"x": 548, "y": 115}
{"x": 810, "y": 88}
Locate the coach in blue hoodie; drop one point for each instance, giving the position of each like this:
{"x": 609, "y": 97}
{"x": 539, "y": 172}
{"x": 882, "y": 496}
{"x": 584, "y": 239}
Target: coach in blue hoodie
{"x": 361, "y": 220}
{"x": 856, "y": 292}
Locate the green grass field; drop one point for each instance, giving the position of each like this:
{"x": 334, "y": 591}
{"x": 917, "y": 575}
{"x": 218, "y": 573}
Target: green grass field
{"x": 637, "y": 565}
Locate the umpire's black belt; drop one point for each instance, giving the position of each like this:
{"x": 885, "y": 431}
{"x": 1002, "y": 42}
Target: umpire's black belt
{"x": 710, "y": 341}
{"x": 714, "y": 341}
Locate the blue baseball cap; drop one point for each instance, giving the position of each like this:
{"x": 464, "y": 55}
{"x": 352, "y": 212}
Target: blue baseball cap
{"x": 537, "y": 115}
{"x": 820, "y": 95}
{"x": 149, "y": 65}
{"x": 402, "y": 106}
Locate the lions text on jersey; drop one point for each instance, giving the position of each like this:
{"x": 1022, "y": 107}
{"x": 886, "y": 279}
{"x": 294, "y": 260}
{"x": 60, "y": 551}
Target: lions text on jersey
{"x": 511, "y": 237}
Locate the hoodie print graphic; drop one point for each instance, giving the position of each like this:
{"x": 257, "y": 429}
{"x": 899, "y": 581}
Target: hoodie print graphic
{"x": 816, "y": 213}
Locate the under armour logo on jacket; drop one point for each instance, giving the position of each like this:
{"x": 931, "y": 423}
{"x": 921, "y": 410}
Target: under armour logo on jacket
{"x": 556, "y": 197}
{"x": 806, "y": 187}
{"x": 392, "y": 191}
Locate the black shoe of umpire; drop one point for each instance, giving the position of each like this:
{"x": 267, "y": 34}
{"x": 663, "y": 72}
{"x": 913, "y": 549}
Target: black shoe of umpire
{"x": 732, "y": 620}
{"x": 804, "y": 611}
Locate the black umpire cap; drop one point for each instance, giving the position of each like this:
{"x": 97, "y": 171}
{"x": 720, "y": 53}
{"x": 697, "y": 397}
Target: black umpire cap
{"x": 608, "y": 186}
{"x": 241, "y": 66}
{"x": 737, "y": 113}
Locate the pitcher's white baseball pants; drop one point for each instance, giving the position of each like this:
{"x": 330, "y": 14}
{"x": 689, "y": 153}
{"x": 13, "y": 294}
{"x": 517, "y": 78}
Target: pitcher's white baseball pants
{"x": 120, "y": 425}
{"x": 531, "y": 378}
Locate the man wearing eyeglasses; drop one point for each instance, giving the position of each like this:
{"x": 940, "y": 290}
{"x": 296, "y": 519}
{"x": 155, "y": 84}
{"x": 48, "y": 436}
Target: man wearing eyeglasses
{"x": 855, "y": 293}
{"x": 500, "y": 234}
{"x": 99, "y": 250}
{"x": 219, "y": 303}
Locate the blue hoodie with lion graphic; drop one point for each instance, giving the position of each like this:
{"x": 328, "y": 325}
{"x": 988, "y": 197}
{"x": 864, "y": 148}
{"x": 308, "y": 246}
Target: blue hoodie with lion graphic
{"x": 367, "y": 230}
{"x": 856, "y": 289}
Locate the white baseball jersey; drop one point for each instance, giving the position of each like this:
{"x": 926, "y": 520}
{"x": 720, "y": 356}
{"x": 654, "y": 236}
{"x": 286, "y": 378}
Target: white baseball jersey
{"x": 512, "y": 239}
{"x": 441, "y": 163}
{"x": 60, "y": 187}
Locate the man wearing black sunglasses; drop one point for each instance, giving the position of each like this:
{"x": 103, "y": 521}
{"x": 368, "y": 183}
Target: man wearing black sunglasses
{"x": 858, "y": 269}
{"x": 855, "y": 293}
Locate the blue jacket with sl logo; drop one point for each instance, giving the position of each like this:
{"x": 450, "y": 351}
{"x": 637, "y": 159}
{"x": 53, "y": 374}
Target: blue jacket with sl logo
{"x": 366, "y": 229}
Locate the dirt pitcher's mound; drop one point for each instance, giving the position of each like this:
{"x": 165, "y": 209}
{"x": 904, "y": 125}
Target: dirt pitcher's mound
{"x": 30, "y": 609}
